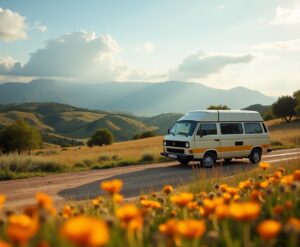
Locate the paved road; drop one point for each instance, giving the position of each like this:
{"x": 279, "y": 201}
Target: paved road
{"x": 137, "y": 179}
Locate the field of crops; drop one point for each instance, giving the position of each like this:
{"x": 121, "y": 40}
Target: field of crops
{"x": 262, "y": 210}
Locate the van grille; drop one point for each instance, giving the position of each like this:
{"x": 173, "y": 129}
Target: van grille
{"x": 175, "y": 150}
{"x": 176, "y": 144}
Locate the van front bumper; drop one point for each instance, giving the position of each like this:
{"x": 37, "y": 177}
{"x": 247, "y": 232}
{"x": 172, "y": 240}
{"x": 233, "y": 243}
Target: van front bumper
{"x": 178, "y": 156}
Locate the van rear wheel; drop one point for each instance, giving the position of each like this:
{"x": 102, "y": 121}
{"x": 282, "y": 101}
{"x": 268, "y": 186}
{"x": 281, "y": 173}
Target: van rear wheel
{"x": 209, "y": 160}
{"x": 255, "y": 156}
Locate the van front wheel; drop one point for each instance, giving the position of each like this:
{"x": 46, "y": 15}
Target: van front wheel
{"x": 208, "y": 160}
{"x": 255, "y": 156}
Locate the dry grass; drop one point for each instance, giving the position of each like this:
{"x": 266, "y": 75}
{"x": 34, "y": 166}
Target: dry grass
{"x": 130, "y": 150}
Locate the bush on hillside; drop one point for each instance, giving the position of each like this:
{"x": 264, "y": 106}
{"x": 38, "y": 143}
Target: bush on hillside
{"x": 143, "y": 135}
{"x": 284, "y": 108}
{"x": 101, "y": 137}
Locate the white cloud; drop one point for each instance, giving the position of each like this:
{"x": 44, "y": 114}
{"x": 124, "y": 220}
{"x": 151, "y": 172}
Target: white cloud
{"x": 202, "y": 64}
{"x": 78, "y": 55}
{"x": 221, "y": 7}
{"x": 284, "y": 16}
{"x": 39, "y": 27}
{"x": 288, "y": 46}
{"x": 12, "y": 25}
{"x": 145, "y": 47}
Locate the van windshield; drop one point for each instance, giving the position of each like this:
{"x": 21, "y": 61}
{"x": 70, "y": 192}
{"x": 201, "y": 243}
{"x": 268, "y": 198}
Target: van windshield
{"x": 186, "y": 128}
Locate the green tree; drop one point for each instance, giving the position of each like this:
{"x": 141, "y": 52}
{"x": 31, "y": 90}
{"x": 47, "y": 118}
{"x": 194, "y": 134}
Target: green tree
{"x": 297, "y": 97}
{"x": 218, "y": 107}
{"x": 284, "y": 108}
{"x": 20, "y": 137}
{"x": 101, "y": 137}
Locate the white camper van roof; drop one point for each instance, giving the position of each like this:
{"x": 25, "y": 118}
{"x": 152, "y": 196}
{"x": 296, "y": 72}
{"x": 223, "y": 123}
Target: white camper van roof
{"x": 222, "y": 116}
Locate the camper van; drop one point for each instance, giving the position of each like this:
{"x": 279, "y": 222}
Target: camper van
{"x": 210, "y": 135}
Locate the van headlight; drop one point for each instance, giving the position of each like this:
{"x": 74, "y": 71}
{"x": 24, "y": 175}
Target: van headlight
{"x": 187, "y": 144}
{"x": 165, "y": 143}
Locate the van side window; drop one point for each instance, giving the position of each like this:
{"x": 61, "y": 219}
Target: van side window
{"x": 231, "y": 128}
{"x": 207, "y": 129}
{"x": 265, "y": 127}
{"x": 252, "y": 128}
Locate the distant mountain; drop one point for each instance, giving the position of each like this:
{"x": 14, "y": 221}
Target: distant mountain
{"x": 135, "y": 97}
{"x": 262, "y": 109}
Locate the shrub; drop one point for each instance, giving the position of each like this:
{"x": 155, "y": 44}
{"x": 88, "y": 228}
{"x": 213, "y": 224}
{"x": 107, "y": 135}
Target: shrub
{"x": 147, "y": 157}
{"x": 101, "y": 137}
{"x": 103, "y": 158}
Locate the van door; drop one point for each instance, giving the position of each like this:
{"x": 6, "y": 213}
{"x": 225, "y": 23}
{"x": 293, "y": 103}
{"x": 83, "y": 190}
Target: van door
{"x": 232, "y": 140}
{"x": 206, "y": 137}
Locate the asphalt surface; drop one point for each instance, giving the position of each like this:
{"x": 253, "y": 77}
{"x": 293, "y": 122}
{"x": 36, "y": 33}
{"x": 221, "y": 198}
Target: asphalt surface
{"x": 137, "y": 179}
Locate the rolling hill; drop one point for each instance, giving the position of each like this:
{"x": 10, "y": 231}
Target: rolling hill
{"x": 56, "y": 120}
{"x": 140, "y": 98}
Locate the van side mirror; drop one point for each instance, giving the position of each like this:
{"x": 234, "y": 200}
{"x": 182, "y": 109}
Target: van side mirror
{"x": 169, "y": 130}
{"x": 202, "y": 133}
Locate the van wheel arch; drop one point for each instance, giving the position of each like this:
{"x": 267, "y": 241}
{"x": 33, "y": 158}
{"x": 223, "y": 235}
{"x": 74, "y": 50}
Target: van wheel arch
{"x": 210, "y": 154}
{"x": 255, "y": 155}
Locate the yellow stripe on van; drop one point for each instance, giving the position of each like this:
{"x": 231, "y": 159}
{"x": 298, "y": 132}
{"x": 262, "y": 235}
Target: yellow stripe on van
{"x": 229, "y": 149}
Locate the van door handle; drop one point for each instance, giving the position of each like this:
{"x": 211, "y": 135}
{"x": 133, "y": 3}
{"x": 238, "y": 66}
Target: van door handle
{"x": 217, "y": 140}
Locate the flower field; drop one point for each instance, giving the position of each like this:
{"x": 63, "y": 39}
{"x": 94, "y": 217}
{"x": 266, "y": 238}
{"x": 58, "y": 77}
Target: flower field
{"x": 255, "y": 212}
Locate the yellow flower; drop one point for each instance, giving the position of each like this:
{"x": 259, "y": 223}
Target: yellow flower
{"x": 118, "y": 198}
{"x": 191, "y": 228}
{"x": 150, "y": 204}
{"x": 67, "y": 211}
{"x": 113, "y": 186}
{"x": 264, "y": 184}
{"x": 287, "y": 180}
{"x": 85, "y": 231}
{"x": 130, "y": 217}
{"x": 244, "y": 211}
{"x": 245, "y": 184}
{"x": 21, "y": 228}
{"x": 232, "y": 190}
{"x": 223, "y": 187}
{"x": 264, "y": 165}
{"x": 277, "y": 174}
{"x": 167, "y": 189}
{"x": 226, "y": 197}
{"x": 268, "y": 229}
{"x": 2, "y": 200}
{"x": 296, "y": 175}
{"x": 209, "y": 205}
{"x": 97, "y": 201}
{"x": 192, "y": 205}
{"x": 182, "y": 199}
{"x": 294, "y": 224}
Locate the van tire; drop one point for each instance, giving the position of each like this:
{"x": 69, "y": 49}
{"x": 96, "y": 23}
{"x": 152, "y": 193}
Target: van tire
{"x": 255, "y": 156}
{"x": 209, "y": 160}
{"x": 183, "y": 162}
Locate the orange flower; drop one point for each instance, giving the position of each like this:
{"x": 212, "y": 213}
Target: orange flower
{"x": 128, "y": 213}
{"x": 223, "y": 187}
{"x": 222, "y": 211}
{"x": 150, "y": 204}
{"x": 192, "y": 205}
{"x": 226, "y": 197}
{"x": 167, "y": 189}
{"x": 245, "y": 184}
{"x": 85, "y": 231}
{"x": 264, "y": 184}
{"x": 264, "y": 165}
{"x": 209, "y": 205}
{"x": 2, "y": 200}
{"x": 278, "y": 210}
{"x": 3, "y": 244}
{"x": 191, "y": 228}
{"x": 256, "y": 195}
{"x": 287, "y": 180}
{"x": 294, "y": 224}
{"x": 202, "y": 195}
{"x": 268, "y": 229}
{"x": 169, "y": 228}
{"x": 143, "y": 197}
{"x": 44, "y": 201}
{"x": 296, "y": 175}
{"x": 112, "y": 187}
{"x": 21, "y": 228}
{"x": 244, "y": 211}
{"x": 232, "y": 190}
{"x": 277, "y": 174}
{"x": 182, "y": 199}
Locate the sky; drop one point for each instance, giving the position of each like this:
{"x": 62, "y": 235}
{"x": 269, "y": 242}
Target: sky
{"x": 220, "y": 43}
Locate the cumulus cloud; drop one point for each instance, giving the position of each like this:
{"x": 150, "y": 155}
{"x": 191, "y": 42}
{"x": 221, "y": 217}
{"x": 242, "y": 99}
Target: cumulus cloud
{"x": 145, "y": 47}
{"x": 12, "y": 25}
{"x": 39, "y": 27}
{"x": 202, "y": 64}
{"x": 284, "y": 16}
{"x": 77, "y": 55}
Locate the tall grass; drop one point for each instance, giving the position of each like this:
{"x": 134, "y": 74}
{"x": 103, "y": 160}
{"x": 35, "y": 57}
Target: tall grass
{"x": 14, "y": 166}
